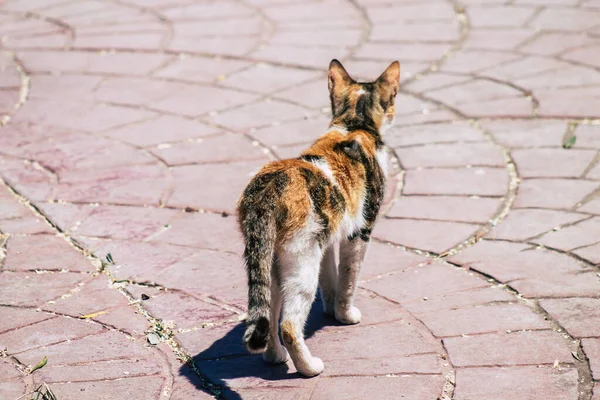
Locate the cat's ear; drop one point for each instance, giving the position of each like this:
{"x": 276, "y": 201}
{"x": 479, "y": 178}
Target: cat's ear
{"x": 338, "y": 80}
{"x": 389, "y": 80}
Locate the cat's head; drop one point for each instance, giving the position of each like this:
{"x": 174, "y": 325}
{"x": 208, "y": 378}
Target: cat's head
{"x": 363, "y": 105}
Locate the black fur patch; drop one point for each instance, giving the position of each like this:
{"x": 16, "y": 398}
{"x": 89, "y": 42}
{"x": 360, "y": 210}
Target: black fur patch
{"x": 260, "y": 334}
{"x": 317, "y": 184}
{"x": 310, "y": 158}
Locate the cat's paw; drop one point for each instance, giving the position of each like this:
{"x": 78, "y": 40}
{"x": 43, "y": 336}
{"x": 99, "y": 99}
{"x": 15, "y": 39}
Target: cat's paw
{"x": 348, "y": 316}
{"x": 276, "y": 355}
{"x": 311, "y": 368}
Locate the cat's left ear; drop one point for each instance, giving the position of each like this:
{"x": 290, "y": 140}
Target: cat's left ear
{"x": 389, "y": 81}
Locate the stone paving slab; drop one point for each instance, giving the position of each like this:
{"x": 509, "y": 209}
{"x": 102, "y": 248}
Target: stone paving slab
{"x": 128, "y": 129}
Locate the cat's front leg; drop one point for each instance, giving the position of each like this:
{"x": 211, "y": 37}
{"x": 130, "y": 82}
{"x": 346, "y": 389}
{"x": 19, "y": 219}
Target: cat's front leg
{"x": 352, "y": 254}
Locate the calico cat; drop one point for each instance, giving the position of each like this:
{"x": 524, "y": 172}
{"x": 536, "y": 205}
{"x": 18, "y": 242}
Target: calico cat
{"x": 293, "y": 213}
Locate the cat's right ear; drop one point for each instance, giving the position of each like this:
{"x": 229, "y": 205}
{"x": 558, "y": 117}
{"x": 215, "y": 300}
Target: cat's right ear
{"x": 338, "y": 81}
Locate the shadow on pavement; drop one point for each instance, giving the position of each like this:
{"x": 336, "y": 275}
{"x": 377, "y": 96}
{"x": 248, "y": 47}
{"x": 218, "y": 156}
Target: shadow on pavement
{"x": 227, "y": 359}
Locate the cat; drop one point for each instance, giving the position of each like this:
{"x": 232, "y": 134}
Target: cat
{"x": 293, "y": 212}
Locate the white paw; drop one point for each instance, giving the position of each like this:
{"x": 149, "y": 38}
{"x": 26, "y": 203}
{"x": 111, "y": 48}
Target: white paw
{"x": 312, "y": 368}
{"x": 350, "y": 316}
{"x": 276, "y": 355}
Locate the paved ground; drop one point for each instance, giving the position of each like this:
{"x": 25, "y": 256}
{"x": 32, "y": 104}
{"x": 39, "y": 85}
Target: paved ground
{"x": 130, "y": 127}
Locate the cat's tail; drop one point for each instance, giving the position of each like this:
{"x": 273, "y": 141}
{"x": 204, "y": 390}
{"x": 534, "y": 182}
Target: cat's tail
{"x": 257, "y": 219}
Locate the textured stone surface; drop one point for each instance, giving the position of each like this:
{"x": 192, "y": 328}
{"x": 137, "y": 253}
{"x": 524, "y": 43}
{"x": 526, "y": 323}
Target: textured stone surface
{"x": 131, "y": 127}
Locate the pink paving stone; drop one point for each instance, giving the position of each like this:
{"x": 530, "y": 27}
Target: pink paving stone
{"x": 118, "y": 222}
{"x": 570, "y": 163}
{"x": 353, "y": 343}
{"x": 13, "y": 317}
{"x": 249, "y": 27}
{"x": 186, "y": 311}
{"x": 73, "y": 61}
{"x": 585, "y": 56}
{"x": 101, "y": 370}
{"x": 200, "y": 69}
{"x": 8, "y": 370}
{"x": 579, "y": 316}
{"x": 138, "y": 260}
{"x": 44, "y": 252}
{"x": 445, "y": 208}
{"x": 482, "y": 319}
{"x": 515, "y": 106}
{"x": 499, "y": 16}
{"x": 566, "y": 81}
{"x": 13, "y": 388}
{"x": 551, "y": 43}
{"x": 123, "y": 40}
{"x": 72, "y": 87}
{"x": 188, "y": 101}
{"x": 219, "y": 148}
{"x": 383, "y": 258}
{"x": 503, "y": 383}
{"x": 391, "y": 12}
{"x": 204, "y": 231}
{"x": 134, "y": 91}
{"x": 451, "y": 155}
{"x": 462, "y": 299}
{"x": 465, "y": 181}
{"x": 164, "y": 129}
{"x": 591, "y": 347}
{"x": 368, "y": 70}
{"x": 590, "y": 253}
{"x": 134, "y": 388}
{"x": 516, "y": 348}
{"x": 25, "y": 226}
{"x": 226, "y": 183}
{"x": 534, "y": 273}
{"x": 527, "y": 133}
{"x": 103, "y": 346}
{"x": 94, "y": 296}
{"x": 238, "y": 46}
{"x": 459, "y": 132}
{"x": 574, "y": 20}
{"x": 436, "y": 236}
{"x": 473, "y": 91}
{"x": 265, "y": 78}
{"x": 496, "y": 38}
{"x": 204, "y": 273}
{"x": 32, "y": 289}
{"x": 312, "y": 57}
{"x": 294, "y": 12}
{"x": 263, "y": 113}
{"x": 397, "y": 365}
{"x": 410, "y": 387}
{"x": 392, "y": 51}
{"x": 427, "y": 31}
{"x": 311, "y": 94}
{"x": 206, "y": 11}
{"x": 592, "y": 206}
{"x": 46, "y": 333}
{"x": 553, "y": 193}
{"x": 588, "y": 136}
{"x": 131, "y": 185}
{"x": 525, "y": 67}
{"x": 417, "y": 283}
{"x": 126, "y": 319}
{"x": 596, "y": 392}
{"x": 474, "y": 60}
{"x": 522, "y": 224}
{"x": 581, "y": 234}
{"x": 435, "y": 80}
{"x": 303, "y": 132}
{"x": 10, "y": 207}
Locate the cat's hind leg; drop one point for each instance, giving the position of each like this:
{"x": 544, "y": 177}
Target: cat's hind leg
{"x": 299, "y": 280}
{"x": 352, "y": 254}
{"x": 275, "y": 353}
{"x": 328, "y": 281}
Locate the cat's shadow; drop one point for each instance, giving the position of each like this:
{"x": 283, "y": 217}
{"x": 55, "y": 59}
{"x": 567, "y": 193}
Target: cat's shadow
{"x": 227, "y": 359}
